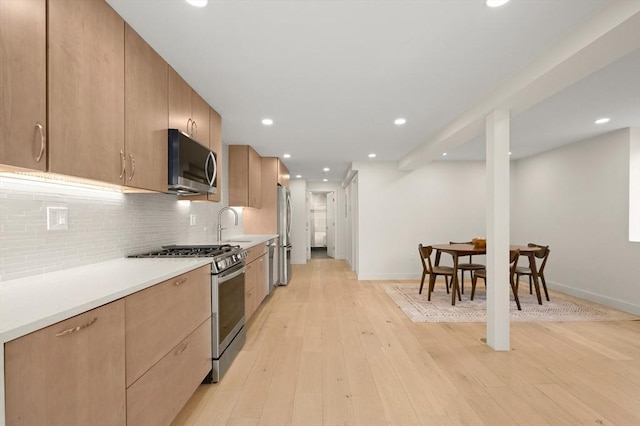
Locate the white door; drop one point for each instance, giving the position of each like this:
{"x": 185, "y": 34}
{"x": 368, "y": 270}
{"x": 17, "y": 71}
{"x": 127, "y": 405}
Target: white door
{"x": 331, "y": 224}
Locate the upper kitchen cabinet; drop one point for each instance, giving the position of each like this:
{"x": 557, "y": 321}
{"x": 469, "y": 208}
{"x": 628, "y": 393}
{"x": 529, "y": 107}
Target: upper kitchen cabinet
{"x": 245, "y": 181}
{"x": 146, "y": 110}
{"x": 86, "y": 90}
{"x": 215, "y": 145}
{"x": 283, "y": 174}
{"x": 188, "y": 112}
{"x": 23, "y": 83}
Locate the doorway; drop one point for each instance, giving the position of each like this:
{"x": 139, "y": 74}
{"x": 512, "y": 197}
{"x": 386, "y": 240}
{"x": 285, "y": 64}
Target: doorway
{"x": 322, "y": 225}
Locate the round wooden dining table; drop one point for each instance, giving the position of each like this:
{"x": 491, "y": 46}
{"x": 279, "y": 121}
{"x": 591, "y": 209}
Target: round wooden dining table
{"x": 458, "y": 250}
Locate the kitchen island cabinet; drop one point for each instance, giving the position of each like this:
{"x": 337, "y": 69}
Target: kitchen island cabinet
{"x": 23, "y": 89}
{"x": 70, "y": 373}
{"x": 86, "y": 90}
{"x": 245, "y": 176}
{"x": 146, "y": 111}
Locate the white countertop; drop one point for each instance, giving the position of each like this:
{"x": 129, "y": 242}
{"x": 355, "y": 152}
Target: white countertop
{"x": 31, "y": 303}
{"x": 245, "y": 241}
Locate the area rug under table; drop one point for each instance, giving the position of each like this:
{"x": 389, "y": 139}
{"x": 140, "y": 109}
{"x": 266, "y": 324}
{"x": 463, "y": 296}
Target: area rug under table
{"x": 561, "y": 307}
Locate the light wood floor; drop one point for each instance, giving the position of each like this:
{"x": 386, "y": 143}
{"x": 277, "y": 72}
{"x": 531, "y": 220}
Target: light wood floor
{"x": 331, "y": 350}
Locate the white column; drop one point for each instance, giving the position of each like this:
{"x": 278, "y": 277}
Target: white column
{"x": 498, "y": 289}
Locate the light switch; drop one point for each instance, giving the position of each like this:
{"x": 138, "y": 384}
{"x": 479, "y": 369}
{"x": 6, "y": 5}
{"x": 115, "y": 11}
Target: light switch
{"x": 57, "y": 218}
{"x": 192, "y": 219}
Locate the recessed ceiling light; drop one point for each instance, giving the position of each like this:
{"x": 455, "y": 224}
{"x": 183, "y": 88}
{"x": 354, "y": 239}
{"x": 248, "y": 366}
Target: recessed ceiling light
{"x": 298, "y": 176}
{"x": 326, "y": 169}
{"x": 602, "y": 120}
{"x": 400, "y": 121}
{"x": 372, "y": 155}
{"x": 325, "y": 180}
{"x": 287, "y": 155}
{"x": 496, "y": 3}
{"x": 267, "y": 121}
{"x": 198, "y": 3}
{"x": 444, "y": 154}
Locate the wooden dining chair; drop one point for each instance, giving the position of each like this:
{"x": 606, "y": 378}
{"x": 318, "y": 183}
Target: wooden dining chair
{"x": 433, "y": 271}
{"x": 468, "y": 266}
{"x": 482, "y": 273}
{"x": 543, "y": 254}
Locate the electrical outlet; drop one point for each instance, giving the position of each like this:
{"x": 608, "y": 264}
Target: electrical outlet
{"x": 57, "y": 218}
{"x": 192, "y": 219}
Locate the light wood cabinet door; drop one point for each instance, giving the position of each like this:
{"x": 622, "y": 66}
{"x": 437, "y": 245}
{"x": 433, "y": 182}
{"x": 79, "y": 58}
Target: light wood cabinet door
{"x": 159, "y": 317}
{"x": 215, "y": 145}
{"x": 200, "y": 117}
{"x": 262, "y": 282}
{"x": 146, "y": 114}
{"x": 265, "y": 219}
{"x": 23, "y": 83}
{"x": 179, "y": 103}
{"x": 245, "y": 176}
{"x": 86, "y": 90}
{"x": 71, "y": 373}
{"x": 249, "y": 290}
{"x": 158, "y": 396}
{"x": 283, "y": 174}
{"x": 255, "y": 179}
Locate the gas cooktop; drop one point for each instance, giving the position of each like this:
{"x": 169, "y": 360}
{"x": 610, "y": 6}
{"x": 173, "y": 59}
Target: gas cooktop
{"x": 191, "y": 251}
{"x": 224, "y": 256}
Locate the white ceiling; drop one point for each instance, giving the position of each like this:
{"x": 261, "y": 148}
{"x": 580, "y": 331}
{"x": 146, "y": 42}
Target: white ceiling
{"x": 333, "y": 75}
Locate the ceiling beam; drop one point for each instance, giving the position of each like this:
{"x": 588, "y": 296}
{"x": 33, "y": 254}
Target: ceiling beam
{"x": 601, "y": 40}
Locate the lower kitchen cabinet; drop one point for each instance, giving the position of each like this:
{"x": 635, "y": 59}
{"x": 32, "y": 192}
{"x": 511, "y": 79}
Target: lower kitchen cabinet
{"x": 255, "y": 279}
{"x": 70, "y": 373}
{"x": 159, "y": 395}
{"x": 159, "y": 317}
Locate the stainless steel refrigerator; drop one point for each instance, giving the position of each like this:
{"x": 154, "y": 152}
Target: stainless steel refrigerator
{"x": 284, "y": 230}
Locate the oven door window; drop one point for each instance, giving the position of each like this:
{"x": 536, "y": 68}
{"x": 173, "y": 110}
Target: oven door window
{"x": 230, "y": 304}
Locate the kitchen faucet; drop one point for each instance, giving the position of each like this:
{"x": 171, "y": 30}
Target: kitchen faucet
{"x": 220, "y": 228}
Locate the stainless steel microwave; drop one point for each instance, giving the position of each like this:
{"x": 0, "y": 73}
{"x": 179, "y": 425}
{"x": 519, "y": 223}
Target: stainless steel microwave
{"x": 192, "y": 167}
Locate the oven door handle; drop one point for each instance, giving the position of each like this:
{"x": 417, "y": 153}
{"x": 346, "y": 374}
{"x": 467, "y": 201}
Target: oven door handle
{"x": 231, "y": 276}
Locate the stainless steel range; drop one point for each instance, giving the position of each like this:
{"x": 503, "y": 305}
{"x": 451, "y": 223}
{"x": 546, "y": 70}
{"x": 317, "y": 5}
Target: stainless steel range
{"x": 227, "y": 299}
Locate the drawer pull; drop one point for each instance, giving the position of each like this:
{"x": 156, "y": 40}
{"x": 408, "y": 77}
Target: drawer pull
{"x": 180, "y": 282}
{"x": 182, "y": 349}
{"x": 78, "y": 328}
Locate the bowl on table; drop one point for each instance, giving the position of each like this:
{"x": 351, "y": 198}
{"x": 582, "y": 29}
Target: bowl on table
{"x": 479, "y": 242}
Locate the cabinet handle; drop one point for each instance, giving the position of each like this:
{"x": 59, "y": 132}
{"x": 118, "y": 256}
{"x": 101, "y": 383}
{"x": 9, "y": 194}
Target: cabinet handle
{"x": 42, "y": 142}
{"x": 78, "y": 328}
{"x": 182, "y": 348}
{"x": 180, "y": 282}
{"x": 122, "y": 164}
{"x": 193, "y": 123}
{"x": 133, "y": 166}
{"x": 189, "y": 129}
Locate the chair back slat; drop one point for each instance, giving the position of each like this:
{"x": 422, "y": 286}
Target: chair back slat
{"x": 541, "y": 254}
{"x": 425, "y": 254}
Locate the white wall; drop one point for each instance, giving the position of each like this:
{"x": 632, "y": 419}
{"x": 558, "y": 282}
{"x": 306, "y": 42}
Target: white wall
{"x": 576, "y": 200}
{"x": 440, "y": 202}
{"x": 298, "y": 221}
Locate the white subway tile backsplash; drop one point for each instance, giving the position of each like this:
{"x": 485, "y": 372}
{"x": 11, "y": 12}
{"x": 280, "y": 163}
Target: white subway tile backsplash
{"x": 103, "y": 225}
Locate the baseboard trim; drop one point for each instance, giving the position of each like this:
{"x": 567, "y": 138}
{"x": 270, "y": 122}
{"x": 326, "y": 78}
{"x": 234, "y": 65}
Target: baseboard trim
{"x": 299, "y": 261}
{"x": 388, "y": 277}
{"x": 594, "y": 297}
